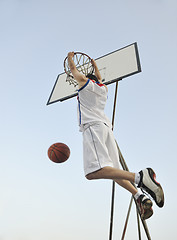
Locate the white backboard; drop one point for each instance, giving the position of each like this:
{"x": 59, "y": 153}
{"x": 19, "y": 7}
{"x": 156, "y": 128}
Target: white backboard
{"x": 113, "y": 67}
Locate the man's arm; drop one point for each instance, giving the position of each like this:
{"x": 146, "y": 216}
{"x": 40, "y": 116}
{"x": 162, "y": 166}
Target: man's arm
{"x": 97, "y": 72}
{"x": 80, "y": 78}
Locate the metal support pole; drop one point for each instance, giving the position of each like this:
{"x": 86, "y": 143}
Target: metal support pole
{"x": 138, "y": 222}
{"x": 112, "y": 210}
{"x": 113, "y": 183}
{"x": 126, "y": 222}
{"x": 125, "y": 167}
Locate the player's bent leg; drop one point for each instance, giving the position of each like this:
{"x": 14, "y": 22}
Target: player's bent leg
{"x": 127, "y": 185}
{"x": 144, "y": 204}
{"x": 111, "y": 173}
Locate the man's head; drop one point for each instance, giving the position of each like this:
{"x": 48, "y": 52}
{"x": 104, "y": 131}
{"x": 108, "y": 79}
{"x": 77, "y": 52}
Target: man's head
{"x": 92, "y": 77}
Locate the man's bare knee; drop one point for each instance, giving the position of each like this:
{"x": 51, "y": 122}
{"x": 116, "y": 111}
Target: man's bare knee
{"x": 94, "y": 175}
{"x": 89, "y": 176}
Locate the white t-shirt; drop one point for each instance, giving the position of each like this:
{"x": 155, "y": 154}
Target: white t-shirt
{"x": 92, "y": 99}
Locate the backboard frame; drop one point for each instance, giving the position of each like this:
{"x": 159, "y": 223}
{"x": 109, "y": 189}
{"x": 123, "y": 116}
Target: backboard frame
{"x": 62, "y": 75}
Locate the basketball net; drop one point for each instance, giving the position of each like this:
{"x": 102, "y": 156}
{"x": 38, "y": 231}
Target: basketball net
{"x": 83, "y": 65}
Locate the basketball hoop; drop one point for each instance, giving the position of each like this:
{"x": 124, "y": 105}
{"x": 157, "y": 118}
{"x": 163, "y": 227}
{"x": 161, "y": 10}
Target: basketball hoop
{"x": 83, "y": 65}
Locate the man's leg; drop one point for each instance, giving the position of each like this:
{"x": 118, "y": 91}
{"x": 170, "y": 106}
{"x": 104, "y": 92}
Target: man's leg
{"x": 144, "y": 204}
{"x": 127, "y": 185}
{"x": 112, "y": 173}
{"x": 121, "y": 177}
{"x": 146, "y": 180}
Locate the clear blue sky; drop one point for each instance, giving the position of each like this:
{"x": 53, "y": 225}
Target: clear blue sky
{"x": 41, "y": 200}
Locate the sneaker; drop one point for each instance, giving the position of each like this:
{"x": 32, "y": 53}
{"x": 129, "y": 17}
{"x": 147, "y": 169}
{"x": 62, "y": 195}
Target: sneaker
{"x": 151, "y": 186}
{"x": 144, "y": 205}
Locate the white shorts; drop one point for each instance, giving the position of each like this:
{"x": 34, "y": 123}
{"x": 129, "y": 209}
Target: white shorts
{"x": 99, "y": 147}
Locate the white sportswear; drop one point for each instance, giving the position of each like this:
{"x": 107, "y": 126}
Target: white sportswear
{"x": 92, "y": 99}
{"x": 99, "y": 146}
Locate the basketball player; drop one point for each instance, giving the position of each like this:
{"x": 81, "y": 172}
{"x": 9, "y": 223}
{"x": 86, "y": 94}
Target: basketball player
{"x": 101, "y": 159}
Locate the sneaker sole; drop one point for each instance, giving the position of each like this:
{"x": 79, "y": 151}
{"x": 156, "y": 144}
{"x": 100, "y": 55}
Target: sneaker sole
{"x": 148, "y": 212}
{"x": 160, "y": 190}
{"x": 153, "y": 178}
{"x": 147, "y": 204}
{"x": 145, "y": 209}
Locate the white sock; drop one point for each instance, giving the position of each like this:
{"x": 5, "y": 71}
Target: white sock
{"x": 136, "y": 196}
{"x": 137, "y": 178}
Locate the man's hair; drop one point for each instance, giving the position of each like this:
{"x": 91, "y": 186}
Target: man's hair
{"x": 92, "y": 77}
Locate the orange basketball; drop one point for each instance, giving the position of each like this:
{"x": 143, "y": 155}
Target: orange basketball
{"x": 58, "y": 152}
